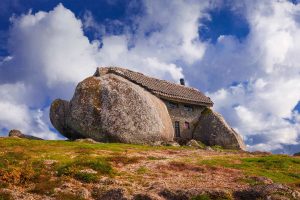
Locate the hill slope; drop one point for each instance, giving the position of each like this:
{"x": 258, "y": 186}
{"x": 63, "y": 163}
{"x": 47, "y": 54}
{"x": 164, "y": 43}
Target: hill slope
{"x": 73, "y": 170}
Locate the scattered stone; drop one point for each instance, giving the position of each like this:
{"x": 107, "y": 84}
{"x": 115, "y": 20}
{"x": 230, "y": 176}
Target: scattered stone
{"x": 213, "y": 130}
{"x": 112, "y": 194}
{"x": 181, "y": 141}
{"x": 74, "y": 189}
{"x": 270, "y": 191}
{"x": 297, "y": 154}
{"x": 208, "y": 148}
{"x": 193, "y": 143}
{"x": 87, "y": 140}
{"x": 174, "y": 195}
{"x": 142, "y": 197}
{"x": 173, "y": 144}
{"x": 108, "y": 181}
{"x": 84, "y": 193}
{"x": 261, "y": 179}
{"x": 19, "y": 134}
{"x": 157, "y": 143}
{"x": 50, "y": 162}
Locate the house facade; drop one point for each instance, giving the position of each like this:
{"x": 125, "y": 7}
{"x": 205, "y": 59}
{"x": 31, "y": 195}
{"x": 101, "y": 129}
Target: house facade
{"x": 184, "y": 104}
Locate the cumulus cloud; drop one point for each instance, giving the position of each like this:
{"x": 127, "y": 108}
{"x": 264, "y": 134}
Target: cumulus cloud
{"x": 49, "y": 55}
{"x": 266, "y": 67}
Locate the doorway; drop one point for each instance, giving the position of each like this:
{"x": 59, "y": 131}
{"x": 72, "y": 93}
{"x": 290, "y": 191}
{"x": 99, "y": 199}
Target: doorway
{"x": 177, "y": 129}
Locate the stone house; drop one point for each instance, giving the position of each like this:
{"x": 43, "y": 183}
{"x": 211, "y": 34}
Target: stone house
{"x": 120, "y": 105}
{"x": 184, "y": 104}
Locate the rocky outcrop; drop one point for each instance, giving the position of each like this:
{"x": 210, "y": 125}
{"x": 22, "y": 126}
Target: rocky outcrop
{"x": 297, "y": 154}
{"x": 110, "y": 108}
{"x": 19, "y": 134}
{"x": 268, "y": 191}
{"x": 212, "y": 129}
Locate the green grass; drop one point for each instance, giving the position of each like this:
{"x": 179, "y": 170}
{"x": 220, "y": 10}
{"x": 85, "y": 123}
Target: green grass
{"x": 280, "y": 168}
{"x": 86, "y": 177}
{"x": 23, "y": 162}
{"x": 74, "y": 169}
{"x": 70, "y": 158}
{"x": 142, "y": 170}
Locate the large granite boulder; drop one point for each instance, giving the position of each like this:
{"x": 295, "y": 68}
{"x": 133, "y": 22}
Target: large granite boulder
{"x": 212, "y": 129}
{"x": 110, "y": 108}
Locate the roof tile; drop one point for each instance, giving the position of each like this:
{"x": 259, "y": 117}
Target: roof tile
{"x": 162, "y": 88}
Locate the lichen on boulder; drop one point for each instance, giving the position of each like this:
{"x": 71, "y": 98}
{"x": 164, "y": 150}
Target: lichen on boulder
{"x": 110, "y": 108}
{"x": 212, "y": 130}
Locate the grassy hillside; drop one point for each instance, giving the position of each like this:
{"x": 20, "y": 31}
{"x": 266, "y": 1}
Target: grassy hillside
{"x": 74, "y": 170}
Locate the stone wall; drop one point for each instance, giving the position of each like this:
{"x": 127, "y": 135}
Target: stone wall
{"x": 182, "y": 115}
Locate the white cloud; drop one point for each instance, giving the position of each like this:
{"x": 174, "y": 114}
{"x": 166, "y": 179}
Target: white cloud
{"x": 49, "y": 43}
{"x": 261, "y": 107}
{"x": 172, "y": 34}
{"x": 14, "y": 115}
{"x": 49, "y": 56}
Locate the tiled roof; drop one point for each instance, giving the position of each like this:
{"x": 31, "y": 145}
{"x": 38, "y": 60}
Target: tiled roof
{"x": 163, "y": 89}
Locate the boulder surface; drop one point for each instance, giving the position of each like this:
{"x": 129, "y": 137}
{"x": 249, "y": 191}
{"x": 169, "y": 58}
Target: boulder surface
{"x": 110, "y": 108}
{"x": 212, "y": 129}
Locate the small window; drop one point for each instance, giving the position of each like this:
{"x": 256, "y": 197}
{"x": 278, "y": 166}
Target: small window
{"x": 188, "y": 108}
{"x": 172, "y": 105}
{"x": 187, "y": 125}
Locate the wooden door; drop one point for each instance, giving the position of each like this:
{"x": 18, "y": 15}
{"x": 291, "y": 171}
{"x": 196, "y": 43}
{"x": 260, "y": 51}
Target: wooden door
{"x": 177, "y": 129}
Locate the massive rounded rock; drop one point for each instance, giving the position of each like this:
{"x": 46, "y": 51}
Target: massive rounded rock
{"x": 212, "y": 129}
{"x": 59, "y": 112}
{"x": 110, "y": 108}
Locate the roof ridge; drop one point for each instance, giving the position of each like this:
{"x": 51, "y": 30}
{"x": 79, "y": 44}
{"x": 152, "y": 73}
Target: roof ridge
{"x": 169, "y": 82}
{"x": 165, "y": 89}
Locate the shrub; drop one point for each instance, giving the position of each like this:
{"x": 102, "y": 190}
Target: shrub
{"x": 86, "y": 177}
{"x": 201, "y": 197}
{"x": 45, "y": 186}
{"x": 73, "y": 169}
{"x": 206, "y": 111}
{"x": 5, "y": 196}
{"x": 142, "y": 170}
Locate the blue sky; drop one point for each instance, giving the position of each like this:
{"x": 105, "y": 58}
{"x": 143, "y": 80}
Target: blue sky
{"x": 243, "y": 54}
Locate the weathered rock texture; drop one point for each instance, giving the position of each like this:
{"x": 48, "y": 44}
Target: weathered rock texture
{"x": 119, "y": 105}
{"x": 110, "y": 108}
{"x": 19, "y": 134}
{"x": 212, "y": 129}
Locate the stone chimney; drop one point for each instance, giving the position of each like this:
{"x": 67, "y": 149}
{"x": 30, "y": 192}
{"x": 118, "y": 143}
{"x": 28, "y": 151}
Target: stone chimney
{"x": 182, "y": 81}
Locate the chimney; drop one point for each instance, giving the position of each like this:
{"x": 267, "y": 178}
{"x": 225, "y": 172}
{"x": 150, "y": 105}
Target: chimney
{"x": 182, "y": 81}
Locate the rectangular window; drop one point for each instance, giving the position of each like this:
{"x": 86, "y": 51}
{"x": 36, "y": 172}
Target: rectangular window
{"x": 172, "y": 105}
{"x": 187, "y": 125}
{"x": 177, "y": 129}
{"x": 188, "y": 108}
